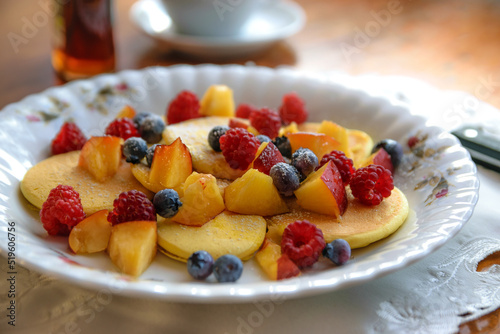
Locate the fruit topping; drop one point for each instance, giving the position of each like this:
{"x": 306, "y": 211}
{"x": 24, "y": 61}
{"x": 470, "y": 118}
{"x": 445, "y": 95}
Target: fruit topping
{"x": 134, "y": 149}
{"x": 319, "y": 143}
{"x": 214, "y": 137}
{"x": 217, "y": 101}
{"x": 277, "y": 266}
{"x": 127, "y": 111}
{"x": 101, "y": 156}
{"x": 371, "y": 184}
{"x": 239, "y": 147}
{"x": 137, "y": 119}
{"x": 283, "y": 144}
{"x": 150, "y": 153}
{"x": 70, "y": 138}
{"x": 200, "y": 265}
{"x": 266, "y": 121}
{"x": 305, "y": 161}
{"x": 167, "y": 203}
{"x": 263, "y": 139}
{"x": 303, "y": 243}
{"x": 183, "y": 107}
{"x": 61, "y": 211}
{"x": 393, "y": 148}
{"x": 381, "y": 158}
{"x": 337, "y": 132}
{"x": 228, "y": 268}
{"x": 132, "y": 205}
{"x": 123, "y": 128}
{"x": 151, "y": 128}
{"x": 293, "y": 109}
{"x": 343, "y": 164}
{"x": 91, "y": 235}
{"x": 244, "y": 110}
{"x": 338, "y": 251}
{"x": 286, "y": 178}
{"x": 267, "y": 158}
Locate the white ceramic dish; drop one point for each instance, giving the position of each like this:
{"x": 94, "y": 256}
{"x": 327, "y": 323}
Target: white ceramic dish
{"x": 437, "y": 177}
{"x": 273, "y": 22}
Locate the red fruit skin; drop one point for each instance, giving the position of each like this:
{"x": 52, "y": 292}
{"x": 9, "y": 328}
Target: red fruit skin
{"x": 343, "y": 164}
{"x": 303, "y": 243}
{"x": 244, "y": 110}
{"x": 123, "y": 128}
{"x": 269, "y": 157}
{"x": 236, "y": 123}
{"x": 69, "y": 138}
{"x": 332, "y": 178}
{"x": 131, "y": 205}
{"x": 382, "y": 158}
{"x": 266, "y": 121}
{"x": 239, "y": 147}
{"x": 292, "y": 109}
{"x": 286, "y": 268}
{"x": 183, "y": 107}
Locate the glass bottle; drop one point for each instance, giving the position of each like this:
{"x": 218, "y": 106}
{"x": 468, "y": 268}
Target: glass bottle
{"x": 83, "y": 39}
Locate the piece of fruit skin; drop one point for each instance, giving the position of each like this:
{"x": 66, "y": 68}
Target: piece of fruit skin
{"x": 323, "y": 192}
{"x": 381, "y": 158}
{"x": 217, "y": 101}
{"x": 319, "y": 143}
{"x": 254, "y": 193}
{"x": 393, "y": 148}
{"x": 266, "y": 157}
{"x": 101, "y": 156}
{"x": 91, "y": 235}
{"x": 132, "y": 246}
{"x": 126, "y": 112}
{"x": 337, "y": 132}
{"x": 273, "y": 263}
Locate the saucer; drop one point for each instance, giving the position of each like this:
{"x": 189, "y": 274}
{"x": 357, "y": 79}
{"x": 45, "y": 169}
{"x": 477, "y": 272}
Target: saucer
{"x": 273, "y": 22}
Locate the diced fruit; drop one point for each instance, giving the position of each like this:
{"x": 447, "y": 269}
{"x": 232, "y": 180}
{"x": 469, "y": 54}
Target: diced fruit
{"x": 338, "y": 251}
{"x": 266, "y": 121}
{"x": 319, "y": 143}
{"x": 126, "y": 112}
{"x": 101, "y": 156}
{"x": 239, "y": 148}
{"x": 241, "y": 123}
{"x": 134, "y": 149}
{"x": 337, "y": 132}
{"x": 171, "y": 166}
{"x": 167, "y": 203}
{"x": 201, "y": 200}
{"x": 132, "y": 246}
{"x": 286, "y": 178}
{"x": 393, "y": 148}
{"x": 267, "y": 158}
{"x": 323, "y": 192}
{"x": 228, "y": 268}
{"x": 254, "y": 193}
{"x": 123, "y": 128}
{"x": 292, "y": 109}
{"x": 200, "y": 265}
{"x": 371, "y": 184}
{"x": 343, "y": 164}
{"x": 214, "y": 136}
{"x": 131, "y": 205}
{"x": 217, "y": 101}
{"x": 275, "y": 265}
{"x": 303, "y": 243}
{"x": 92, "y": 234}
{"x": 290, "y": 128}
{"x": 381, "y": 158}
{"x": 69, "y": 138}
{"x": 183, "y": 107}
{"x": 305, "y": 161}
{"x": 283, "y": 145}
{"x": 151, "y": 128}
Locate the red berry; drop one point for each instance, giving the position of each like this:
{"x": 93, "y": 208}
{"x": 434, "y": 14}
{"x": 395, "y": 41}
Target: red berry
{"x": 237, "y": 123}
{"x": 61, "y": 211}
{"x": 183, "y": 107}
{"x": 293, "y": 109}
{"x": 343, "y": 164}
{"x": 371, "y": 184}
{"x": 266, "y": 121}
{"x": 70, "y": 138}
{"x": 239, "y": 147}
{"x": 303, "y": 242}
{"x": 131, "y": 205}
{"x": 269, "y": 157}
{"x": 412, "y": 141}
{"x": 244, "y": 110}
{"x": 122, "y": 127}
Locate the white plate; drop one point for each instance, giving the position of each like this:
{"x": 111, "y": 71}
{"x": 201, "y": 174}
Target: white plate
{"x": 438, "y": 178}
{"x": 274, "y": 21}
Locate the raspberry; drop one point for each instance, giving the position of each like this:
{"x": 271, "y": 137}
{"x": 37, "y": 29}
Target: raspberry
{"x": 239, "y": 147}
{"x": 183, "y": 107}
{"x": 303, "y": 242}
{"x": 131, "y": 205}
{"x": 266, "y": 121}
{"x": 343, "y": 164}
{"x": 292, "y": 109}
{"x": 70, "y": 138}
{"x": 122, "y": 127}
{"x": 371, "y": 184}
{"x": 244, "y": 110}
{"x": 61, "y": 211}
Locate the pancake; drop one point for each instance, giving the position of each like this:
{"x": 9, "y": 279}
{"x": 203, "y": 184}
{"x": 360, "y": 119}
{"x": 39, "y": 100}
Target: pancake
{"x": 360, "y": 225}
{"x": 63, "y": 169}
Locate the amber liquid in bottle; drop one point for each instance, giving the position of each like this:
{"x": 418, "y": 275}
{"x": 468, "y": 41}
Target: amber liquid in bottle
{"x": 83, "y": 39}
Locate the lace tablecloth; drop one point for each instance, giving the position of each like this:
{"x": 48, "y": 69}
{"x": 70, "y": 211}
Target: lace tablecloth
{"x": 434, "y": 295}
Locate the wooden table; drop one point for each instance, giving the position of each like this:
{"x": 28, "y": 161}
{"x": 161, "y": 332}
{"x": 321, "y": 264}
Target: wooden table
{"x": 452, "y": 44}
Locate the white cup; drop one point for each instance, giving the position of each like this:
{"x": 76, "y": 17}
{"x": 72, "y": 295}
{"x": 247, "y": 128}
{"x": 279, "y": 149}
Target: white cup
{"x": 210, "y": 17}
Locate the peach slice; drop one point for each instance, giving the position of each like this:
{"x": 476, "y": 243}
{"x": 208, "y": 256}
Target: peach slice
{"x": 132, "y": 246}
{"x": 101, "y": 156}
{"x": 338, "y": 133}
{"x": 275, "y": 265}
{"x": 323, "y": 192}
{"x": 254, "y": 193}
{"x": 126, "y": 112}
{"x": 319, "y": 143}
{"x": 92, "y": 234}
{"x": 267, "y": 156}
{"x": 217, "y": 101}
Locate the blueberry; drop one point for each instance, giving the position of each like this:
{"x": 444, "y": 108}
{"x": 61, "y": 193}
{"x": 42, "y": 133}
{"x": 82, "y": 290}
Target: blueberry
{"x": 151, "y": 128}
{"x": 305, "y": 161}
{"x": 393, "y": 148}
{"x": 283, "y": 145}
{"x": 134, "y": 149}
{"x": 338, "y": 251}
{"x": 150, "y": 154}
{"x": 139, "y": 117}
{"x": 167, "y": 203}
{"x": 214, "y": 136}
{"x": 228, "y": 268}
{"x": 200, "y": 265}
{"x": 263, "y": 139}
{"x": 286, "y": 178}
